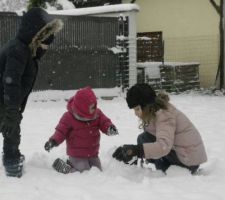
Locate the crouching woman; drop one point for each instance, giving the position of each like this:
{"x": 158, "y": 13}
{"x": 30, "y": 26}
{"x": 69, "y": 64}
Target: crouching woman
{"x": 169, "y": 137}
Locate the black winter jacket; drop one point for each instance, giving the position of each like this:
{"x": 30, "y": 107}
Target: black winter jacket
{"x": 19, "y": 59}
{"x": 18, "y": 71}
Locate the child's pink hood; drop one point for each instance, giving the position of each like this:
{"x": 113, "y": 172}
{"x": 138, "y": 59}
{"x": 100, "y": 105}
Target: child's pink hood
{"x": 81, "y": 101}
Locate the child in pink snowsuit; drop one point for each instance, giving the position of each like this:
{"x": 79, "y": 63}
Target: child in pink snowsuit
{"x": 80, "y": 126}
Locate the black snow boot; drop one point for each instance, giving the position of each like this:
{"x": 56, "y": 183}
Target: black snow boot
{"x": 14, "y": 167}
{"x": 162, "y": 164}
{"x": 61, "y": 166}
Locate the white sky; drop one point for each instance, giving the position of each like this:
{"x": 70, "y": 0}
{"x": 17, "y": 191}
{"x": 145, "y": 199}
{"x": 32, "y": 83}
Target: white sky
{"x": 117, "y": 181}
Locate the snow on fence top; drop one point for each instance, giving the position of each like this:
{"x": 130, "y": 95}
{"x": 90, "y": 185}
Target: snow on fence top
{"x": 172, "y": 64}
{"x": 153, "y": 70}
{"x": 96, "y": 10}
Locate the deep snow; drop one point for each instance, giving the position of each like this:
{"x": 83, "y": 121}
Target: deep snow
{"x": 117, "y": 181}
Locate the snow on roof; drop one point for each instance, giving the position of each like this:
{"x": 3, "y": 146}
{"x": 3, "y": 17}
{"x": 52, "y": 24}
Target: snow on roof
{"x": 96, "y": 10}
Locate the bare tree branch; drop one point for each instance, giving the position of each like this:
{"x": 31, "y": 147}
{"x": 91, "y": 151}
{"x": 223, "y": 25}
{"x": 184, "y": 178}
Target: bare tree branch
{"x": 215, "y": 6}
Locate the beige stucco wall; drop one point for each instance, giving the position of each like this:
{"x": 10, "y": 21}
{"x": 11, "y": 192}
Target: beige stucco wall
{"x": 190, "y": 31}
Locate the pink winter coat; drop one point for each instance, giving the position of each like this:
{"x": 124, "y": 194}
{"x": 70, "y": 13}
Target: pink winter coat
{"x": 82, "y": 137}
{"x": 173, "y": 130}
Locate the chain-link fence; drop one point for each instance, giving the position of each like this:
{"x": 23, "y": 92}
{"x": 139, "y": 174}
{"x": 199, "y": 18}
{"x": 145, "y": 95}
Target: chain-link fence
{"x": 83, "y": 53}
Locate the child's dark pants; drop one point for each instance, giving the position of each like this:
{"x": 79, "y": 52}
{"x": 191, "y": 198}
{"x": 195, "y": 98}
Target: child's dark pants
{"x": 81, "y": 164}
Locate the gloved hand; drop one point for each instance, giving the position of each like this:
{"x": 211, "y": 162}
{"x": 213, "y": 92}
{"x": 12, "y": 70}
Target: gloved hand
{"x": 127, "y": 152}
{"x": 112, "y": 130}
{"x": 11, "y": 122}
{"x": 119, "y": 154}
{"x": 50, "y": 144}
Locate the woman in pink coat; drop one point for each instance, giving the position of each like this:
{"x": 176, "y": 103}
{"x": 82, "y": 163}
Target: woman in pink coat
{"x": 169, "y": 137}
{"x": 80, "y": 126}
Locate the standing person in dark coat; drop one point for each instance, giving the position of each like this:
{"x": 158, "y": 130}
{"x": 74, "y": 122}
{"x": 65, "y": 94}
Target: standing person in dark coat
{"x": 18, "y": 70}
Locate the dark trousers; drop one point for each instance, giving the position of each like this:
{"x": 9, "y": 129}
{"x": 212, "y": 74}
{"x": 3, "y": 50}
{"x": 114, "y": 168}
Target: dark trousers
{"x": 10, "y": 144}
{"x": 166, "y": 161}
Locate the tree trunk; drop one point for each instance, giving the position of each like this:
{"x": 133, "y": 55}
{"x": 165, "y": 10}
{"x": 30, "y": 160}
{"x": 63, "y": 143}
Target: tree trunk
{"x": 221, "y": 61}
{"x": 220, "y": 69}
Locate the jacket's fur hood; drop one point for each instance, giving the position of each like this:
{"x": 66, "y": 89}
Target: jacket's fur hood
{"x": 49, "y": 29}
{"x": 36, "y": 26}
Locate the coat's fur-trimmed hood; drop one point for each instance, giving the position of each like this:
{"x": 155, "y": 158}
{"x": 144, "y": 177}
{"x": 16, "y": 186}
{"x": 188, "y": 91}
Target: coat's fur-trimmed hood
{"x": 36, "y": 26}
{"x": 50, "y": 28}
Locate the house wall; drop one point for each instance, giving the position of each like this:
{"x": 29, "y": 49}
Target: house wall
{"x": 190, "y": 32}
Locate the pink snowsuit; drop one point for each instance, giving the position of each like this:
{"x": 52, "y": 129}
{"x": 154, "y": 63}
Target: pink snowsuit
{"x": 81, "y": 130}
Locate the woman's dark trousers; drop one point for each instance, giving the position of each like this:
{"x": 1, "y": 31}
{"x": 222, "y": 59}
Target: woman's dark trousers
{"x": 165, "y": 162}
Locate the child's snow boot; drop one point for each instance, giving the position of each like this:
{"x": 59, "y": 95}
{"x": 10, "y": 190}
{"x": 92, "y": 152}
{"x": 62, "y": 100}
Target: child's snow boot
{"x": 61, "y": 166}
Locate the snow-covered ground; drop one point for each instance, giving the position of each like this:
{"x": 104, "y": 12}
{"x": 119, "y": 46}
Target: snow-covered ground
{"x": 117, "y": 181}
